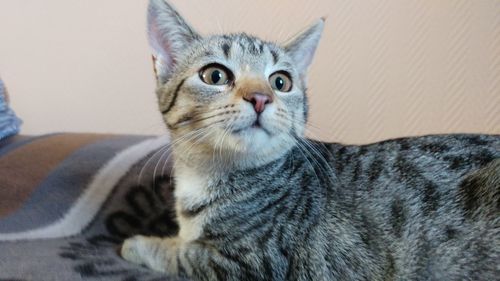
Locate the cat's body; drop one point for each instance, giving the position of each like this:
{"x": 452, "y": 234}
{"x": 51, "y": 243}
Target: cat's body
{"x": 392, "y": 211}
{"x": 257, "y": 201}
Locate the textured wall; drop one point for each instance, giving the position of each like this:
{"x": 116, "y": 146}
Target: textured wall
{"x": 384, "y": 68}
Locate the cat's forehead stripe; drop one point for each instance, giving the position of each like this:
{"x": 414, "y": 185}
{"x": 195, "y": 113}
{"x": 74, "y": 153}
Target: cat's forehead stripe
{"x": 245, "y": 42}
{"x": 275, "y": 56}
{"x": 261, "y": 47}
{"x": 226, "y": 49}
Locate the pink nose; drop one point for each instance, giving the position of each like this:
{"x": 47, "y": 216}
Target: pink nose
{"x": 258, "y": 101}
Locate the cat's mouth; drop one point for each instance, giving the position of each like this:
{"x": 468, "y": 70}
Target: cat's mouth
{"x": 256, "y": 125}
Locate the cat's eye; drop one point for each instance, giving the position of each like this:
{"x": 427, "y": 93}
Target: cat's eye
{"x": 215, "y": 74}
{"x": 281, "y": 81}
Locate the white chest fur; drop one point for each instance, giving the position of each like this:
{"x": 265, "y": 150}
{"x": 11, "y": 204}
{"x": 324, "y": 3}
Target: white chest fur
{"x": 191, "y": 190}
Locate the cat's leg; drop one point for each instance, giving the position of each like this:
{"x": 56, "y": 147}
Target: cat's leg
{"x": 197, "y": 260}
{"x": 156, "y": 253}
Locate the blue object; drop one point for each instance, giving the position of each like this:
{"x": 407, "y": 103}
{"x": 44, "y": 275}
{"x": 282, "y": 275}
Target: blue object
{"x": 9, "y": 123}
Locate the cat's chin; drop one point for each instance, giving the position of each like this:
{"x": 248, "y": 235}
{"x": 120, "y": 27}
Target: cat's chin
{"x": 254, "y": 146}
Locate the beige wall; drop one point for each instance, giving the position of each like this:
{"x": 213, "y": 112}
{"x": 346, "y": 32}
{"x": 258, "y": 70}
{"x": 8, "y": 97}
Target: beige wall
{"x": 384, "y": 68}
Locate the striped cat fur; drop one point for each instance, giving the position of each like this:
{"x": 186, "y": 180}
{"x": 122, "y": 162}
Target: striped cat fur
{"x": 256, "y": 200}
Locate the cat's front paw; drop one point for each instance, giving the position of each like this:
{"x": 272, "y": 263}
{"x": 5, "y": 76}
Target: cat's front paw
{"x": 149, "y": 251}
{"x": 132, "y": 248}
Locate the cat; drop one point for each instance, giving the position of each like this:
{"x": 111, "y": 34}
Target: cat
{"x": 256, "y": 200}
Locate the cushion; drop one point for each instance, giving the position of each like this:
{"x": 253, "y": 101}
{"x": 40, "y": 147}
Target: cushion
{"x": 9, "y": 123}
{"x": 67, "y": 201}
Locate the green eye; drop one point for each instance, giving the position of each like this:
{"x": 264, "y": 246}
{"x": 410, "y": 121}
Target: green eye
{"x": 281, "y": 81}
{"x": 215, "y": 74}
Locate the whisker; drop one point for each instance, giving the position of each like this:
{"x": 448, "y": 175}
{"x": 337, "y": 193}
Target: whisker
{"x": 190, "y": 122}
{"x": 184, "y": 139}
{"x": 139, "y": 178}
{"x": 302, "y": 150}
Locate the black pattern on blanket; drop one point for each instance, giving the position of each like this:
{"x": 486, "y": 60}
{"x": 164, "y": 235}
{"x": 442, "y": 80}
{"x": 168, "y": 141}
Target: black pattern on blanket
{"x": 66, "y": 221}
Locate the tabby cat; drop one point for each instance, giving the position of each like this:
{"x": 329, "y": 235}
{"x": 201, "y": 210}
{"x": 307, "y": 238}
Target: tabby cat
{"x": 256, "y": 200}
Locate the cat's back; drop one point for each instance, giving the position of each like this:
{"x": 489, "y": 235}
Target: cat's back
{"x": 429, "y": 164}
{"x": 418, "y": 199}
{"x": 456, "y": 154}
{"x": 422, "y": 173}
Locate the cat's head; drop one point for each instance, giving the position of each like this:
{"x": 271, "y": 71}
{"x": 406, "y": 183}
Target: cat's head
{"x": 232, "y": 95}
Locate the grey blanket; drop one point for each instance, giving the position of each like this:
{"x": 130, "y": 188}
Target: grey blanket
{"x": 67, "y": 201}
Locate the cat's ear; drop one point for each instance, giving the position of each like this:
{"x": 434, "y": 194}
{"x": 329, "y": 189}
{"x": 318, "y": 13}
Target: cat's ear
{"x": 168, "y": 36}
{"x": 302, "y": 46}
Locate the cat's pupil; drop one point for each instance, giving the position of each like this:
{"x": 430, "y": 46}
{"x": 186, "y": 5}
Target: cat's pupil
{"x": 216, "y": 76}
{"x": 279, "y": 82}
